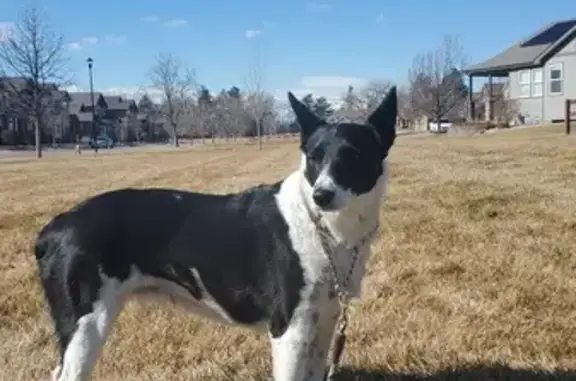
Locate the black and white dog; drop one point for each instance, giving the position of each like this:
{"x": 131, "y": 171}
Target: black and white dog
{"x": 254, "y": 258}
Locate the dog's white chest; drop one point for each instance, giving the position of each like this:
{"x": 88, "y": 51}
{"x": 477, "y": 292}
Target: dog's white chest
{"x": 323, "y": 263}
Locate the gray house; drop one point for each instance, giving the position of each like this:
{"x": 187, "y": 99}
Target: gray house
{"x": 539, "y": 71}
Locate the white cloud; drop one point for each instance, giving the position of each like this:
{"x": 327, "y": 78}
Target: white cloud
{"x": 380, "y": 17}
{"x": 332, "y": 87}
{"x": 318, "y": 7}
{"x": 116, "y": 39}
{"x": 252, "y": 33}
{"x": 83, "y": 42}
{"x": 150, "y": 19}
{"x": 169, "y": 23}
{"x": 72, "y": 89}
{"x": 74, "y": 46}
{"x": 132, "y": 92}
{"x": 87, "y": 41}
{"x": 135, "y": 92}
{"x": 6, "y": 29}
{"x": 175, "y": 23}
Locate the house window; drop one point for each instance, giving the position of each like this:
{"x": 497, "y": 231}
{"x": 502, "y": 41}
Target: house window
{"x": 524, "y": 81}
{"x": 537, "y": 83}
{"x": 556, "y": 78}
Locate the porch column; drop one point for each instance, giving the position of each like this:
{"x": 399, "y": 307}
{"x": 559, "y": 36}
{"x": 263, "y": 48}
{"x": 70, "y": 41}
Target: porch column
{"x": 490, "y": 104}
{"x": 470, "y": 98}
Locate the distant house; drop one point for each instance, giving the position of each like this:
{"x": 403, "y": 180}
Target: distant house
{"x": 67, "y": 116}
{"x": 16, "y": 125}
{"x": 119, "y": 107}
{"x": 113, "y": 114}
{"x": 120, "y": 113}
{"x": 80, "y": 110}
{"x": 121, "y": 118}
{"x": 539, "y": 72}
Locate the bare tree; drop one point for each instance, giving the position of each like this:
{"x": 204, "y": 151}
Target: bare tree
{"x": 150, "y": 115}
{"x": 177, "y": 83}
{"x": 231, "y": 114}
{"x": 357, "y": 105}
{"x": 406, "y": 112}
{"x": 261, "y": 114}
{"x": 34, "y": 54}
{"x": 57, "y": 116}
{"x": 352, "y": 108}
{"x": 505, "y": 110}
{"x": 256, "y": 101}
{"x": 403, "y": 106}
{"x": 373, "y": 93}
{"x": 436, "y": 82}
{"x": 203, "y": 118}
{"x": 285, "y": 118}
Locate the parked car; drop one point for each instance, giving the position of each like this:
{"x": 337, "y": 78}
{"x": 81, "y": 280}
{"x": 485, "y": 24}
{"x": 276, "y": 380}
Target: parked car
{"x": 101, "y": 142}
{"x": 444, "y": 126}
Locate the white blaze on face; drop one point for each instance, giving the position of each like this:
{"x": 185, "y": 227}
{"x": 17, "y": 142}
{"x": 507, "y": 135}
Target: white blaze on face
{"x": 341, "y": 196}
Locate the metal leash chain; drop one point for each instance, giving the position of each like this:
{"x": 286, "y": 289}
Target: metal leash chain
{"x": 326, "y": 239}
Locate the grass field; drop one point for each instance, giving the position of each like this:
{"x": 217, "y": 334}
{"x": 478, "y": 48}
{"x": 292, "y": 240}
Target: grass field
{"x": 473, "y": 278}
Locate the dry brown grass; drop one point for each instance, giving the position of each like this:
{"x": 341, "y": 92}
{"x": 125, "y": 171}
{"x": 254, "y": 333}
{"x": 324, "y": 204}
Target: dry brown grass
{"x": 474, "y": 277}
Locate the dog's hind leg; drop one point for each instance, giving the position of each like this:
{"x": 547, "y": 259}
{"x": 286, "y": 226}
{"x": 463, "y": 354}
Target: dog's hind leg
{"x": 90, "y": 334}
{"x": 300, "y": 353}
{"x": 83, "y": 304}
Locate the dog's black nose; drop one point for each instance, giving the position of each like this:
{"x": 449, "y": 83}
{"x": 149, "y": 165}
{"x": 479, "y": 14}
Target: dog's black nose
{"x": 323, "y": 197}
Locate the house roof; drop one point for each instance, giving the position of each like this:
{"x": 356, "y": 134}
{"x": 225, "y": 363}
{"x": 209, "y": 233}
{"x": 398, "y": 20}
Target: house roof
{"x": 79, "y": 99}
{"x": 532, "y": 51}
{"x": 84, "y": 98}
{"x": 16, "y": 83}
{"x": 116, "y": 102}
{"x": 20, "y": 84}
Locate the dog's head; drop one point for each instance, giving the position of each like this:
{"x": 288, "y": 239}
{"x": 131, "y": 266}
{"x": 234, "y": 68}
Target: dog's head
{"x": 343, "y": 161}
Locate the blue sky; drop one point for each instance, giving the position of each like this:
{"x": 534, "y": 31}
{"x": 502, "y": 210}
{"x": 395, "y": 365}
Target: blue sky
{"x": 303, "y": 45}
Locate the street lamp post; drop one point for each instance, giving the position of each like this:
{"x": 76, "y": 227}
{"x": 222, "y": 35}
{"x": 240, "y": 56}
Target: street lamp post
{"x": 90, "y": 62}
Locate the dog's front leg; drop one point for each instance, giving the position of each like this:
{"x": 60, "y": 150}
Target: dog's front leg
{"x": 300, "y": 353}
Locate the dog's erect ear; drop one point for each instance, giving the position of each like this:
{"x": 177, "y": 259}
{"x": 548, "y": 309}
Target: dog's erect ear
{"x": 307, "y": 120}
{"x": 384, "y": 118}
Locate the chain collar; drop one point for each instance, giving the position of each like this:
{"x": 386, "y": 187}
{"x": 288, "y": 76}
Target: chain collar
{"x": 330, "y": 245}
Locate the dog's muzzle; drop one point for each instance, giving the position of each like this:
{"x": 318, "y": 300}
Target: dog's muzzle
{"x": 323, "y": 197}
